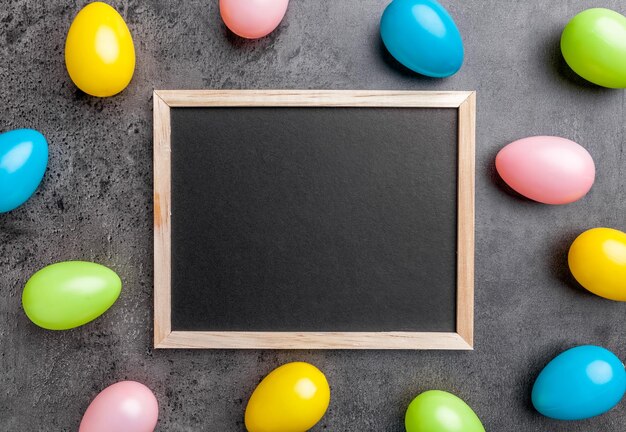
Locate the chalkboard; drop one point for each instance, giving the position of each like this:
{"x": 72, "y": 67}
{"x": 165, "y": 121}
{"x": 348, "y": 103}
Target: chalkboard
{"x": 314, "y": 219}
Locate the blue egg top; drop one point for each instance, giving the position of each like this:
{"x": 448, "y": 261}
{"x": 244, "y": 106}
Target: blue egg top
{"x": 579, "y": 383}
{"x": 23, "y": 162}
{"x": 422, "y": 36}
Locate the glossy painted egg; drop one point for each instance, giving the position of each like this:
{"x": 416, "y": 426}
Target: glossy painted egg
{"x": 126, "y": 406}
{"x": 422, "y": 36}
{"x": 593, "y": 44}
{"x": 99, "y": 51}
{"x": 440, "y": 411}
{"x": 69, "y": 294}
{"x": 252, "y": 19}
{"x": 579, "y": 383}
{"x": 23, "y": 162}
{"x": 291, "y": 398}
{"x": 597, "y": 259}
{"x": 548, "y": 169}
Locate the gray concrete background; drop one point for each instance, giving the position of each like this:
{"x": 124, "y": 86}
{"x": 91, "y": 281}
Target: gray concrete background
{"x": 95, "y": 204}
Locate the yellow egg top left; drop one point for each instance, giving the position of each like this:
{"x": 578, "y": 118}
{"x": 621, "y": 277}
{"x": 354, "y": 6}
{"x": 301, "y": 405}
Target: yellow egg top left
{"x": 99, "y": 51}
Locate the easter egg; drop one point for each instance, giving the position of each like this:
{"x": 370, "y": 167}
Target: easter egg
{"x": 593, "y": 44}
{"x": 69, "y": 294}
{"x": 440, "y": 411}
{"x": 422, "y": 36}
{"x": 126, "y": 406}
{"x": 252, "y": 19}
{"x": 548, "y": 169}
{"x": 597, "y": 259}
{"x": 579, "y": 383}
{"x": 23, "y": 162}
{"x": 291, "y": 398}
{"x": 99, "y": 51}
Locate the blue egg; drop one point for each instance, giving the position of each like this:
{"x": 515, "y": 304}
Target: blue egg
{"x": 422, "y": 36}
{"x": 579, "y": 383}
{"x": 23, "y": 161}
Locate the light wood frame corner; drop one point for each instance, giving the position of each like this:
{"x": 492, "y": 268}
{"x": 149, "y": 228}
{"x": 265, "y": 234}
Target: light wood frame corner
{"x": 461, "y": 339}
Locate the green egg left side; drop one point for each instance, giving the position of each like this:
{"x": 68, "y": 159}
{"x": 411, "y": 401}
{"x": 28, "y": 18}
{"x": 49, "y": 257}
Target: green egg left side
{"x": 69, "y": 294}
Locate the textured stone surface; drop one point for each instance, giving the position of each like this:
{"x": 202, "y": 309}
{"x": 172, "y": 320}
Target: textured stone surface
{"x": 95, "y": 204}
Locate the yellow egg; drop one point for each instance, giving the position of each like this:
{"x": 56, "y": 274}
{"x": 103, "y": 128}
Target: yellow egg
{"x": 99, "y": 51}
{"x": 597, "y": 259}
{"x": 292, "y": 398}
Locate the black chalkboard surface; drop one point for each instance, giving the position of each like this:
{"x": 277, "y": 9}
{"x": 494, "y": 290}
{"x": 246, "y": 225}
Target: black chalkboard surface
{"x": 314, "y": 219}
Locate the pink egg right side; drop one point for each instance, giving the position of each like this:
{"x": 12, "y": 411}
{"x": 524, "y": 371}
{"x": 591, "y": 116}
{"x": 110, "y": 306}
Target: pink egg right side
{"x": 547, "y": 169}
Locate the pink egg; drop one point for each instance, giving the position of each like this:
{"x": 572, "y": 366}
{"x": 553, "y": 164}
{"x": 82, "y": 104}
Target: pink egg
{"x": 548, "y": 169}
{"x": 252, "y": 19}
{"x": 126, "y": 406}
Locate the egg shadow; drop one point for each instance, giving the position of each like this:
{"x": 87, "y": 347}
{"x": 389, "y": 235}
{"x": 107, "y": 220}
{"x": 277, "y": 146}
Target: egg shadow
{"x": 559, "y": 68}
{"x": 244, "y": 44}
{"x": 93, "y": 101}
{"x": 528, "y": 375}
{"x": 527, "y": 378}
{"x": 10, "y": 230}
{"x": 559, "y": 266}
{"x": 98, "y": 104}
{"x": 494, "y": 178}
{"x": 391, "y": 62}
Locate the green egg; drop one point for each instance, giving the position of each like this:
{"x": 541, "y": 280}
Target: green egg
{"x": 440, "y": 411}
{"x": 594, "y": 46}
{"x": 69, "y": 294}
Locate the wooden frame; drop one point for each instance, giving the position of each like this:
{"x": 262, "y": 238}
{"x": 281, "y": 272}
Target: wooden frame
{"x": 462, "y": 339}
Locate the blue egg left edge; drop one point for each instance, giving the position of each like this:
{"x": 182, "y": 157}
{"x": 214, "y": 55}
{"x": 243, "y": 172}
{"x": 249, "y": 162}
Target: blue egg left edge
{"x": 23, "y": 163}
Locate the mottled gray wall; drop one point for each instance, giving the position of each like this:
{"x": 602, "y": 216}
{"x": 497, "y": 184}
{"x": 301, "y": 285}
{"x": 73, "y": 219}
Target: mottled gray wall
{"x": 95, "y": 204}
